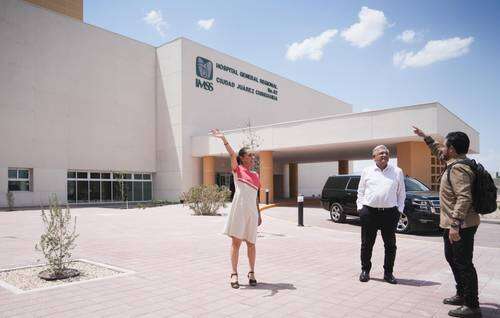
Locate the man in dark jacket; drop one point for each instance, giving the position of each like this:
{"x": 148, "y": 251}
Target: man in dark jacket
{"x": 458, "y": 219}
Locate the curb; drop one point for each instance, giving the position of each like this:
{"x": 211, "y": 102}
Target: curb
{"x": 268, "y": 206}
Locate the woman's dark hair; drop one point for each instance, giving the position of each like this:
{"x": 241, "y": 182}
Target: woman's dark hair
{"x": 459, "y": 140}
{"x": 243, "y": 151}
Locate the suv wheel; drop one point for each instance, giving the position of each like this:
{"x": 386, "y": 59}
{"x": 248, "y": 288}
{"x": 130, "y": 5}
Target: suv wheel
{"x": 404, "y": 225}
{"x": 337, "y": 213}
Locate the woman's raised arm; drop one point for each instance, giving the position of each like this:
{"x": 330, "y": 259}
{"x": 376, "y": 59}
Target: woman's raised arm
{"x": 218, "y": 134}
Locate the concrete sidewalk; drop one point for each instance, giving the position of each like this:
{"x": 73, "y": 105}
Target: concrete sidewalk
{"x": 182, "y": 270}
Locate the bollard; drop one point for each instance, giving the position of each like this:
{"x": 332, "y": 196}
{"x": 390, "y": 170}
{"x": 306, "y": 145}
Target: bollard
{"x": 267, "y": 196}
{"x": 300, "y": 204}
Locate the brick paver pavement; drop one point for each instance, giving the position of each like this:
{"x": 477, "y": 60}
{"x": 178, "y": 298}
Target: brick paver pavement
{"x": 182, "y": 268}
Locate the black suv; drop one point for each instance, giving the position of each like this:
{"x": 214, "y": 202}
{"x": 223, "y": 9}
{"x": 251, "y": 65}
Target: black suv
{"x": 421, "y": 206}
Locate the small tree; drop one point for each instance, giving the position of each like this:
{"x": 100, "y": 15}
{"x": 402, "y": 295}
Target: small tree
{"x": 10, "y": 200}
{"x": 252, "y": 141}
{"x": 122, "y": 188}
{"x": 206, "y": 199}
{"x": 57, "y": 242}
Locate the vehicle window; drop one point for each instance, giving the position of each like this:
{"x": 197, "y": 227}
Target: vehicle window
{"x": 415, "y": 185}
{"x": 337, "y": 182}
{"x": 353, "y": 184}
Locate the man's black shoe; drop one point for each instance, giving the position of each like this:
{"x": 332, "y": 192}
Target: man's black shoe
{"x": 390, "y": 279}
{"x": 465, "y": 311}
{"x": 455, "y": 300}
{"x": 364, "y": 276}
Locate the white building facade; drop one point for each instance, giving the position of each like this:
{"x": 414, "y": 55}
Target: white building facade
{"x": 83, "y": 109}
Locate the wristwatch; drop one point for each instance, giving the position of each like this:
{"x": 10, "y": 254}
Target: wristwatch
{"x": 456, "y": 224}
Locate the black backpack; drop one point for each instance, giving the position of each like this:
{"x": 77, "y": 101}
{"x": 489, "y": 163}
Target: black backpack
{"x": 484, "y": 191}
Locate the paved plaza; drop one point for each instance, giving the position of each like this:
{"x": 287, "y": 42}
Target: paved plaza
{"x": 181, "y": 269}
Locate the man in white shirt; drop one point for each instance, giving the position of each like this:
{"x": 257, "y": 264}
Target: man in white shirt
{"x": 381, "y": 198}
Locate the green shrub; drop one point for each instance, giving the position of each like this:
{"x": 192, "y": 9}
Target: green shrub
{"x": 206, "y": 199}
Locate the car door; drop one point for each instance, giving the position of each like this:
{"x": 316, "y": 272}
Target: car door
{"x": 334, "y": 190}
{"x": 352, "y": 195}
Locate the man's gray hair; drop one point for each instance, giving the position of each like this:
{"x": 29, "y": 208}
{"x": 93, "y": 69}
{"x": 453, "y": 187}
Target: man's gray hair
{"x": 379, "y": 147}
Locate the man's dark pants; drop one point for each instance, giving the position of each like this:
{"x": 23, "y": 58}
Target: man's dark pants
{"x": 373, "y": 219}
{"x": 459, "y": 255}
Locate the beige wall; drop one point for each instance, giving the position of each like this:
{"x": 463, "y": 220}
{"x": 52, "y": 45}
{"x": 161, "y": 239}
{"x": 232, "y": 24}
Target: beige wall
{"x": 414, "y": 158}
{"x": 169, "y": 147}
{"x": 72, "y": 96}
{"x": 72, "y": 8}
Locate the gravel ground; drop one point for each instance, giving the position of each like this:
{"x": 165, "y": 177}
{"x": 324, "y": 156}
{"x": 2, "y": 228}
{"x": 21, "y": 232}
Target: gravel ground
{"x": 27, "y": 278}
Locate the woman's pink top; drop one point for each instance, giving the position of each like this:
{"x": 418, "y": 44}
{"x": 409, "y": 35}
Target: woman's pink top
{"x": 249, "y": 177}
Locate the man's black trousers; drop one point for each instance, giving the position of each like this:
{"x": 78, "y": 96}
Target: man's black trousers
{"x": 372, "y": 220}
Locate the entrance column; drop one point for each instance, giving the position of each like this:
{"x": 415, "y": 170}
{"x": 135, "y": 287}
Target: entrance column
{"x": 208, "y": 170}
{"x": 343, "y": 166}
{"x": 266, "y": 175}
{"x": 286, "y": 181}
{"x": 414, "y": 157}
{"x": 294, "y": 179}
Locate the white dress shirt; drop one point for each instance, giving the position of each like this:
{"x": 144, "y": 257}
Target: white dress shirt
{"x": 382, "y": 188}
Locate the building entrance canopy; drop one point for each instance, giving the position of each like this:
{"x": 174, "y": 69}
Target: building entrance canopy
{"x": 343, "y": 137}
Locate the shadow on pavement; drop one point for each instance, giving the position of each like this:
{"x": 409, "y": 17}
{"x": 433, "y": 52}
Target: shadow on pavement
{"x": 431, "y": 233}
{"x": 273, "y": 288}
{"x": 490, "y": 310}
{"x": 411, "y": 282}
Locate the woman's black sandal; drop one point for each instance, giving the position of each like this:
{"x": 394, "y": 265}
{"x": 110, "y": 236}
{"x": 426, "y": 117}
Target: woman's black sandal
{"x": 235, "y": 285}
{"x": 251, "y": 281}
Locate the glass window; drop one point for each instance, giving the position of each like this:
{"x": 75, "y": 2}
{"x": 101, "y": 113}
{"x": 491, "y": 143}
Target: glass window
{"x": 82, "y": 191}
{"x": 353, "y": 183}
{"x": 106, "y": 191}
{"x": 415, "y": 185}
{"x": 147, "y": 191}
{"x": 137, "y": 191}
{"x": 95, "y": 191}
{"x": 23, "y": 174}
{"x": 128, "y": 191}
{"x": 337, "y": 182}
{"x": 117, "y": 193}
{"x": 98, "y": 186}
{"x": 12, "y": 174}
{"x": 18, "y": 180}
{"x": 82, "y": 175}
{"x": 19, "y": 185}
{"x": 71, "y": 191}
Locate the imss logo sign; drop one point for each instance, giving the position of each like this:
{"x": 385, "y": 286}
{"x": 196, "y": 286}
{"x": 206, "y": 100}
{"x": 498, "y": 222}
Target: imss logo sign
{"x": 205, "y": 70}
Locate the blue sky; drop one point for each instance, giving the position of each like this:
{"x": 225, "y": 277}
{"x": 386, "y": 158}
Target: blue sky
{"x": 353, "y": 50}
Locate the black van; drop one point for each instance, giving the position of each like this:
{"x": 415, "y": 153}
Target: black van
{"x": 421, "y": 206}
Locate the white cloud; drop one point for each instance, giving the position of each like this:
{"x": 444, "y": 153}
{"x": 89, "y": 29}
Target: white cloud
{"x": 155, "y": 18}
{"x": 370, "y": 27}
{"x": 434, "y": 51}
{"x": 206, "y": 24}
{"x": 408, "y": 36}
{"x": 311, "y": 48}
